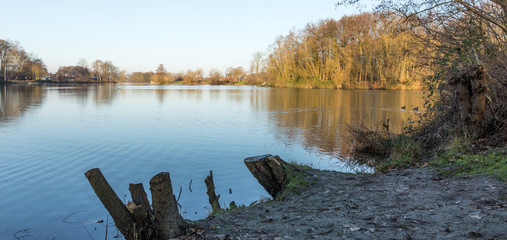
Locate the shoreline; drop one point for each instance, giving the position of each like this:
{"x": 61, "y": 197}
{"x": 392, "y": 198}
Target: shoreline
{"x": 41, "y": 82}
{"x": 403, "y": 204}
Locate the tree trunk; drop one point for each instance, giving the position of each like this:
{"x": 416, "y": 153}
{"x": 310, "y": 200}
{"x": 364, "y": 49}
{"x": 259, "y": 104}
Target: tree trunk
{"x": 471, "y": 89}
{"x": 479, "y": 100}
{"x": 213, "y": 198}
{"x": 123, "y": 219}
{"x": 168, "y": 222}
{"x": 270, "y": 171}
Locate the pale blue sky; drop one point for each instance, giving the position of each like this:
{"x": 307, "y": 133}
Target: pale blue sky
{"x": 139, "y": 35}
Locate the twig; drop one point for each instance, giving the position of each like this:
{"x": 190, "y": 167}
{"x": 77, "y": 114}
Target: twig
{"x": 190, "y": 185}
{"x": 65, "y": 219}
{"x": 84, "y": 227}
{"x": 26, "y": 230}
{"x": 178, "y": 199}
{"x": 107, "y": 220}
{"x": 78, "y": 221}
{"x": 179, "y": 195}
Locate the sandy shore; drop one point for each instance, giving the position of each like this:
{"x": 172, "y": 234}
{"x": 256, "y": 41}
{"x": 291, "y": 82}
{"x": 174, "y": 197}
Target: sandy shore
{"x": 403, "y": 204}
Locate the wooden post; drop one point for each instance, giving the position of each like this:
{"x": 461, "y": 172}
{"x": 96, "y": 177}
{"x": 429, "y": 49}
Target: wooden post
{"x": 123, "y": 219}
{"x": 168, "y": 222}
{"x": 270, "y": 171}
{"x": 213, "y": 198}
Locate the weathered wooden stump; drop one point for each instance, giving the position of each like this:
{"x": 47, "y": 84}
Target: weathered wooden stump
{"x": 141, "y": 211}
{"x": 122, "y": 217}
{"x": 270, "y": 171}
{"x": 168, "y": 222}
{"x": 212, "y": 197}
{"x": 137, "y": 220}
{"x": 471, "y": 86}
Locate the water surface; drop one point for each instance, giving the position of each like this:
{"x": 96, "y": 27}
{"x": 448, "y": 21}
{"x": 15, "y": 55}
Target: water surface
{"x": 51, "y": 135}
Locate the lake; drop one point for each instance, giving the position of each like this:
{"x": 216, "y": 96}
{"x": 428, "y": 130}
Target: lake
{"x": 50, "y": 135}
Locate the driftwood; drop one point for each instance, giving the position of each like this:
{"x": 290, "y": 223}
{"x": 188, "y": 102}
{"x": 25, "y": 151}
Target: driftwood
{"x": 137, "y": 220}
{"x": 122, "y": 217}
{"x": 213, "y": 198}
{"x": 270, "y": 171}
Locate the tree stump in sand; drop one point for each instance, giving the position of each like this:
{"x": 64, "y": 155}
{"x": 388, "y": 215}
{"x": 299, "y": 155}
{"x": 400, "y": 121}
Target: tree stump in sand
{"x": 270, "y": 171}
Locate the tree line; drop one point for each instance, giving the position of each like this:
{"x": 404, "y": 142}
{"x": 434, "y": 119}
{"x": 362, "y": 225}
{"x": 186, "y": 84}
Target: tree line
{"x": 99, "y": 71}
{"x": 16, "y": 63}
{"x": 232, "y": 75}
{"x": 367, "y": 50}
{"x": 465, "y": 54}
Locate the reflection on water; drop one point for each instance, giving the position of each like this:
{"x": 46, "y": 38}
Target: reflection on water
{"x": 15, "y": 100}
{"x": 50, "y": 135}
{"x": 316, "y": 119}
{"x": 321, "y": 116}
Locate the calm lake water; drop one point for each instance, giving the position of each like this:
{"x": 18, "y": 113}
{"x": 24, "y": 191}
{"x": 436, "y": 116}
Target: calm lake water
{"x": 51, "y": 135}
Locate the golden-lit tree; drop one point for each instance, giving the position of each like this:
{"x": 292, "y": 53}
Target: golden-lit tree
{"x": 235, "y": 74}
{"x": 360, "y": 51}
{"x": 215, "y": 77}
{"x": 15, "y": 63}
{"x": 465, "y": 52}
{"x": 140, "y": 77}
{"x": 160, "y": 75}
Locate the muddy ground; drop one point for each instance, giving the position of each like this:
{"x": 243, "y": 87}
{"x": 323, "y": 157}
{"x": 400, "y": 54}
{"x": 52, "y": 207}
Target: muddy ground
{"x": 403, "y": 204}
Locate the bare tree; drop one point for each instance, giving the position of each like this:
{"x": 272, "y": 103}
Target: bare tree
{"x": 97, "y": 67}
{"x": 467, "y": 50}
{"x": 5, "y": 47}
{"x": 82, "y": 63}
{"x": 256, "y": 62}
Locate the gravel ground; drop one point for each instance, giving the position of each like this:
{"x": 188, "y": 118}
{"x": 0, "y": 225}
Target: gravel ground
{"x": 403, "y": 204}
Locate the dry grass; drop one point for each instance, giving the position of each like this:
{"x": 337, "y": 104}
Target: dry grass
{"x": 381, "y": 150}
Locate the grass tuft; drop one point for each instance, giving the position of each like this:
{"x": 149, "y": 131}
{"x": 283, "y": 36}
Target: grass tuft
{"x": 381, "y": 150}
{"x": 296, "y": 180}
{"x": 455, "y": 162}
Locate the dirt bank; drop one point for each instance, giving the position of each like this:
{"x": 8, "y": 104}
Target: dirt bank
{"x": 404, "y": 204}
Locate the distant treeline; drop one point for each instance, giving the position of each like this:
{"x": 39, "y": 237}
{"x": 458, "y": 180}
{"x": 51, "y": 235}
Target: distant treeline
{"x": 233, "y": 75}
{"x": 100, "y": 71}
{"x": 359, "y": 51}
{"x": 17, "y": 64}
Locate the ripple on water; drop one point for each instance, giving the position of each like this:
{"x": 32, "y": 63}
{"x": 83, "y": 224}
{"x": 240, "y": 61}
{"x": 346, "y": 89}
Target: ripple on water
{"x": 133, "y": 133}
